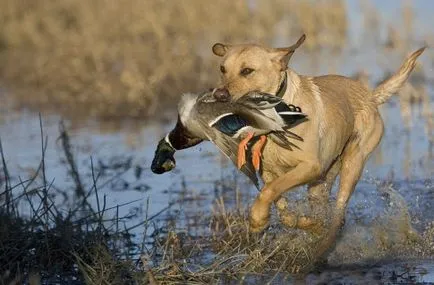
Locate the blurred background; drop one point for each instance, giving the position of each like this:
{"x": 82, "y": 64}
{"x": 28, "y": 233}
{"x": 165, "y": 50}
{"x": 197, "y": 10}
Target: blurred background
{"x": 112, "y": 71}
{"x": 108, "y": 58}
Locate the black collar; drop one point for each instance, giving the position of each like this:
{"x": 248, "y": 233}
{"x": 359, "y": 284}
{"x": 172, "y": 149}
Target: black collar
{"x": 282, "y": 87}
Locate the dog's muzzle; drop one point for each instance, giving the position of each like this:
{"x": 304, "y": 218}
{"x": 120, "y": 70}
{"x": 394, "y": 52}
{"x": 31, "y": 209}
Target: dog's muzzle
{"x": 163, "y": 159}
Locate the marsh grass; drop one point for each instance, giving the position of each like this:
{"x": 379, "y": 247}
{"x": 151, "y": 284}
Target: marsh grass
{"x": 278, "y": 250}
{"x": 46, "y": 242}
{"x": 85, "y": 245}
{"x": 236, "y": 255}
{"x": 127, "y": 58}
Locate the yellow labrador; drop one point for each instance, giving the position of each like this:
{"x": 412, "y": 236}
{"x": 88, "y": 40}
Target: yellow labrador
{"x": 343, "y": 129}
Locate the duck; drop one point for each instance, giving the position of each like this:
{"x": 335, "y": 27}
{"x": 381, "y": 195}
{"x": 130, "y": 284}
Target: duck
{"x": 272, "y": 107}
{"x": 230, "y": 125}
{"x": 255, "y": 114}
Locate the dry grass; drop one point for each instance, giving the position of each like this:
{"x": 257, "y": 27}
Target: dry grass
{"x": 55, "y": 244}
{"x": 232, "y": 253}
{"x": 238, "y": 255}
{"x": 125, "y": 58}
{"x": 103, "y": 268}
{"x": 278, "y": 250}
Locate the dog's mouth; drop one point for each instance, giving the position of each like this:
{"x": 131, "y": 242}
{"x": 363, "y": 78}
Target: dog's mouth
{"x": 164, "y": 160}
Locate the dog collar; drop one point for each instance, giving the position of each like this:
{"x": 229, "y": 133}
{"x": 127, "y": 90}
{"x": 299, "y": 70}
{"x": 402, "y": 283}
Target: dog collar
{"x": 282, "y": 87}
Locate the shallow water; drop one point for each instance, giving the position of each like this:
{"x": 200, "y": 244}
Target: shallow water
{"x": 405, "y": 159}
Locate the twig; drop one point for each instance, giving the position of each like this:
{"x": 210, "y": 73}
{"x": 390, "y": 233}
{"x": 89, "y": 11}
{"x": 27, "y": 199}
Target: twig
{"x": 7, "y": 191}
{"x": 44, "y": 189}
{"x": 64, "y": 137}
{"x": 153, "y": 216}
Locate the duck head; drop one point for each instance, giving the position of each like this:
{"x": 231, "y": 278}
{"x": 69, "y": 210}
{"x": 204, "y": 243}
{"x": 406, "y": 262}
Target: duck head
{"x": 164, "y": 159}
{"x": 178, "y": 138}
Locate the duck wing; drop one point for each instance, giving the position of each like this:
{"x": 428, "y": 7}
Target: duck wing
{"x": 265, "y": 125}
{"x": 259, "y": 100}
{"x": 291, "y": 115}
{"x": 262, "y": 109}
{"x": 229, "y": 123}
{"x": 281, "y": 139}
{"x": 229, "y": 147}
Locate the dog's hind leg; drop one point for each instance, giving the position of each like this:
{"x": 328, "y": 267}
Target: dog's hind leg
{"x": 354, "y": 157}
{"x": 318, "y": 195}
{"x": 319, "y": 192}
{"x": 351, "y": 170}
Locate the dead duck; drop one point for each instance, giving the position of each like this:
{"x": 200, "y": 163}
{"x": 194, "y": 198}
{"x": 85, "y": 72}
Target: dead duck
{"x": 254, "y": 114}
{"x": 230, "y": 125}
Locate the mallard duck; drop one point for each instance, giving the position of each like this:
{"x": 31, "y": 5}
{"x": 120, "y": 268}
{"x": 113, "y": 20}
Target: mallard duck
{"x": 254, "y": 114}
{"x": 225, "y": 123}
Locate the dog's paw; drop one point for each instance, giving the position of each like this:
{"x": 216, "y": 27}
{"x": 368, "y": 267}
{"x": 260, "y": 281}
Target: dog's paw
{"x": 259, "y": 217}
{"x": 257, "y": 226}
{"x": 258, "y": 223}
{"x": 282, "y": 204}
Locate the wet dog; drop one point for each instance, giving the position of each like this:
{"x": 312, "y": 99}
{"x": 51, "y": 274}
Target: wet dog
{"x": 344, "y": 128}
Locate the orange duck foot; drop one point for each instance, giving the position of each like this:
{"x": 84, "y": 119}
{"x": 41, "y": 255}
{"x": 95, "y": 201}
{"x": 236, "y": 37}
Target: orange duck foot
{"x": 241, "y": 158}
{"x": 257, "y": 152}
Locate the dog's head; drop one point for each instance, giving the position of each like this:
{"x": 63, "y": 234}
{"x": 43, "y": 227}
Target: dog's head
{"x": 246, "y": 68}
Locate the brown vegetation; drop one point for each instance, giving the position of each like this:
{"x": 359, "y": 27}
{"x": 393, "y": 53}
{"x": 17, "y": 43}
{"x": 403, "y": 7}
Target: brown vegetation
{"x": 126, "y": 58}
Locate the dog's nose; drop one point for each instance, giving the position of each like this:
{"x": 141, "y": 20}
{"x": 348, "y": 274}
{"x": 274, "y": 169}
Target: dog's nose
{"x": 222, "y": 94}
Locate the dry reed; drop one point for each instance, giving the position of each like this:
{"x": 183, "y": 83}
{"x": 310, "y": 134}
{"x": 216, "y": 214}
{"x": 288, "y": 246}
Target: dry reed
{"x": 115, "y": 59}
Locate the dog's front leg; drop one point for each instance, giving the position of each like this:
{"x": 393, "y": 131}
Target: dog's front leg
{"x": 303, "y": 173}
{"x": 318, "y": 193}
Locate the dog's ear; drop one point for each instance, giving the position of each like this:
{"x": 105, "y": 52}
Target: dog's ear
{"x": 220, "y": 49}
{"x": 283, "y": 55}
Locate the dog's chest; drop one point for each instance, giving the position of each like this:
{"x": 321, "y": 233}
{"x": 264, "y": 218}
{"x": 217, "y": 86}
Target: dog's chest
{"x": 276, "y": 161}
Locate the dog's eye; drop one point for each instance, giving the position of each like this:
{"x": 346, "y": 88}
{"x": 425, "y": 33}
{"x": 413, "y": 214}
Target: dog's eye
{"x": 222, "y": 69}
{"x": 246, "y": 71}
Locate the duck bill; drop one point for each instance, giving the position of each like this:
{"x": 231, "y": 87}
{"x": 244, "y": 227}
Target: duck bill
{"x": 163, "y": 158}
{"x": 179, "y": 138}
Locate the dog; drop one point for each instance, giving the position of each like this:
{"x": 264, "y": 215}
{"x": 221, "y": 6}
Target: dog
{"x": 343, "y": 129}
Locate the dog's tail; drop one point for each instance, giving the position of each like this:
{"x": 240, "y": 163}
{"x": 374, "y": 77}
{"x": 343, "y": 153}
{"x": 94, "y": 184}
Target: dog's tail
{"x": 392, "y": 85}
